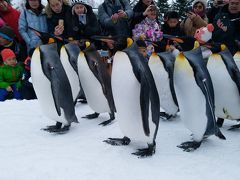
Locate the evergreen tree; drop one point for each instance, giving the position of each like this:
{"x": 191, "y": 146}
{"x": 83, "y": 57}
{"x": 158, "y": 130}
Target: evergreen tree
{"x": 181, "y": 6}
{"x": 163, "y": 6}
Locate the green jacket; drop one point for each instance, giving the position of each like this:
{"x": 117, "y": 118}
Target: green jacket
{"x": 11, "y": 75}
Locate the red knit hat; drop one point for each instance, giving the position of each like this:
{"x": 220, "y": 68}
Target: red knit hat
{"x": 7, "y": 53}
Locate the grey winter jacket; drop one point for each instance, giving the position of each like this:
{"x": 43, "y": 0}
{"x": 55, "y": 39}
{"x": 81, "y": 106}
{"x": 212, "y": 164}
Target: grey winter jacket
{"x": 121, "y": 27}
{"x": 29, "y": 19}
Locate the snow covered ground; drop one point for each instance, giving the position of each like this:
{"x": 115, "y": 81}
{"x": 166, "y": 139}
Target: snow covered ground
{"x": 28, "y": 153}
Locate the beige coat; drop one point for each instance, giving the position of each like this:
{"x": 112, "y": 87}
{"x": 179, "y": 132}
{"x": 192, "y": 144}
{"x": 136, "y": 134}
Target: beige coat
{"x": 189, "y": 26}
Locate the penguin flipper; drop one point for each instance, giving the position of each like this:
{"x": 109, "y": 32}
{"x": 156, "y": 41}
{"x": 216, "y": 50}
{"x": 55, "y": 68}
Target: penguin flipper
{"x": 231, "y": 67}
{"x": 144, "y": 104}
{"x": 55, "y": 86}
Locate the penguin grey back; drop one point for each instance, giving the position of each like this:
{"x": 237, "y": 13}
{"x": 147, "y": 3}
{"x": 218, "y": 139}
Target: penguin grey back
{"x": 73, "y": 51}
{"x": 60, "y": 86}
{"x": 231, "y": 66}
{"x": 168, "y": 62}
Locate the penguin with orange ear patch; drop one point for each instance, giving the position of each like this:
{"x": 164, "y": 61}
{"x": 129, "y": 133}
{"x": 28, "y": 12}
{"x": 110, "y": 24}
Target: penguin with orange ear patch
{"x": 136, "y": 100}
{"x": 225, "y": 76}
{"x": 195, "y": 95}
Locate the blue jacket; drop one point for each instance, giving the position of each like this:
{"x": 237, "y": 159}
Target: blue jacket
{"x": 29, "y": 19}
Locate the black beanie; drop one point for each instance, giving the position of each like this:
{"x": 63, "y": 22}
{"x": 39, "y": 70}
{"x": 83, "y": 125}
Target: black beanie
{"x": 7, "y": 33}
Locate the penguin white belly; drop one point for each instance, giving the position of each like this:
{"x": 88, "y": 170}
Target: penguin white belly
{"x": 91, "y": 87}
{"x": 162, "y": 82}
{"x": 191, "y": 100}
{"x": 236, "y": 58}
{"x": 227, "y": 99}
{"x": 126, "y": 93}
{"x": 71, "y": 74}
{"x": 42, "y": 87}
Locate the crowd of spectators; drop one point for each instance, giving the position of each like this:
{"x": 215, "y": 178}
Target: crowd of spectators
{"x": 76, "y": 20}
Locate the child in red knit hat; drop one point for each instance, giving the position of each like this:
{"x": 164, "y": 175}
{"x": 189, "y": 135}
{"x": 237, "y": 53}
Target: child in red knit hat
{"x": 10, "y": 75}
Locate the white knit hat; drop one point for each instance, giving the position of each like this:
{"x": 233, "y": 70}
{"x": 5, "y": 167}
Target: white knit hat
{"x": 73, "y": 2}
{"x": 204, "y": 2}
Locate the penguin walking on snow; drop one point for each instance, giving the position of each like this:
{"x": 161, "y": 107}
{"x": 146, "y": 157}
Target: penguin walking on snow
{"x": 52, "y": 87}
{"x": 136, "y": 99}
{"x": 96, "y": 82}
{"x": 225, "y": 76}
{"x": 195, "y": 95}
{"x": 161, "y": 66}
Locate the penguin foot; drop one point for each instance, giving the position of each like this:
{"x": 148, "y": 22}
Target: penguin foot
{"x": 61, "y": 130}
{"x": 83, "y": 101}
{"x": 91, "y": 116}
{"x": 146, "y": 151}
{"x": 112, "y": 117}
{"x": 118, "y": 141}
{"x": 189, "y": 146}
{"x": 220, "y": 122}
{"x": 105, "y": 123}
{"x": 165, "y": 116}
{"x": 234, "y": 127}
{"x": 50, "y": 128}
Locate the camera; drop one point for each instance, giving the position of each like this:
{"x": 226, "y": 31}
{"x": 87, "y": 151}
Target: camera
{"x": 189, "y": 9}
{"x": 116, "y": 9}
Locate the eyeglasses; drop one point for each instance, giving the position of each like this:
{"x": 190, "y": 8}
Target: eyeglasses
{"x": 198, "y": 7}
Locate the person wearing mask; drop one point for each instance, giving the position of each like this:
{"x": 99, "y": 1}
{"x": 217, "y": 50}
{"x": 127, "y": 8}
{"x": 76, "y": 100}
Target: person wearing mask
{"x": 196, "y": 18}
{"x": 32, "y": 16}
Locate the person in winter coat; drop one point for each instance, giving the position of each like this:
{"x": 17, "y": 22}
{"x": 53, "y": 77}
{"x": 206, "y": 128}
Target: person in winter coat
{"x": 171, "y": 25}
{"x": 114, "y": 17}
{"x": 10, "y": 76}
{"x": 140, "y": 11}
{"x": 82, "y": 22}
{"x": 56, "y": 11}
{"x": 2, "y": 23}
{"x": 10, "y": 16}
{"x": 227, "y": 26}
{"x": 196, "y": 18}
{"x": 149, "y": 31}
{"x": 8, "y": 40}
{"x": 33, "y": 15}
{"x": 215, "y": 7}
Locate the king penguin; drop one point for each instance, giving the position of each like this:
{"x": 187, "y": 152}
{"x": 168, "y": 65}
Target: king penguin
{"x": 52, "y": 87}
{"x": 161, "y": 66}
{"x": 96, "y": 83}
{"x": 225, "y": 76}
{"x": 136, "y": 99}
{"x": 68, "y": 56}
{"x": 195, "y": 95}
